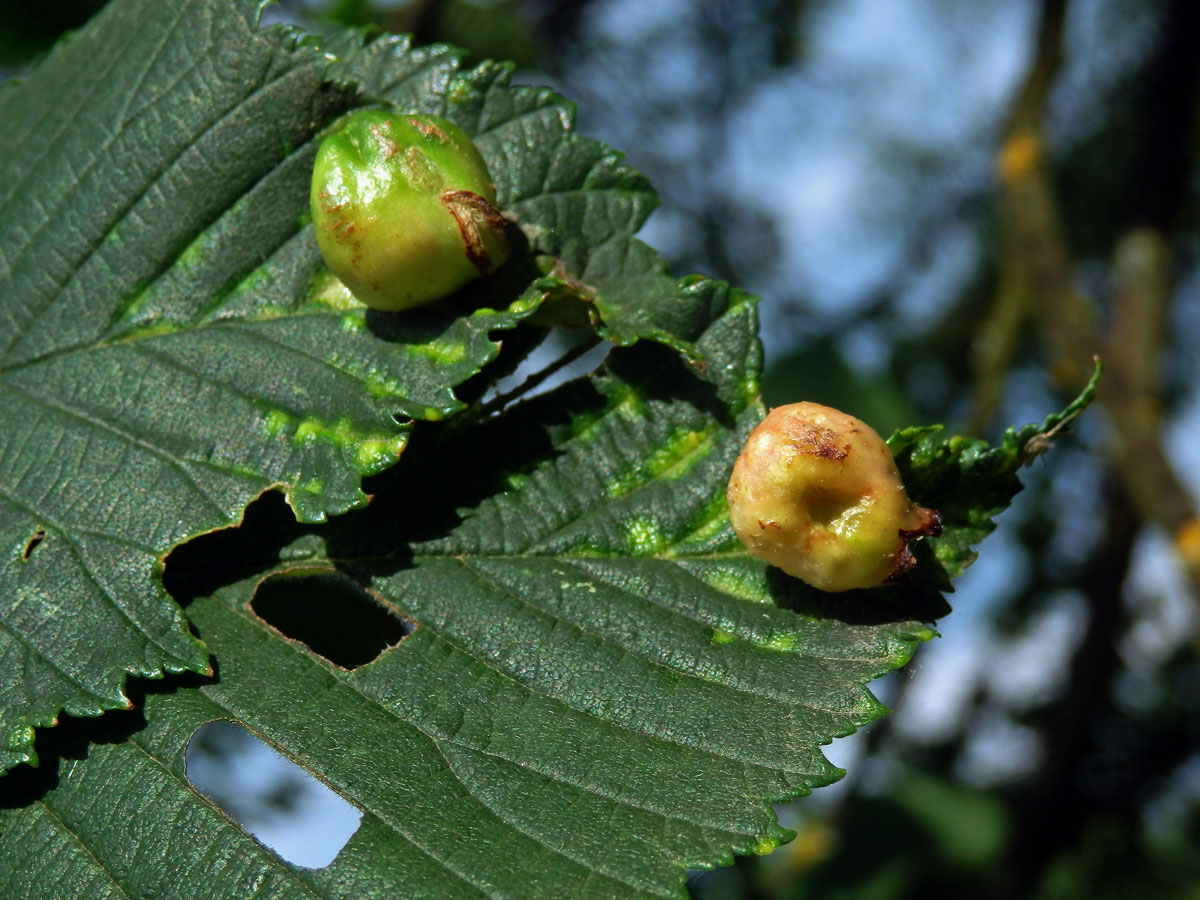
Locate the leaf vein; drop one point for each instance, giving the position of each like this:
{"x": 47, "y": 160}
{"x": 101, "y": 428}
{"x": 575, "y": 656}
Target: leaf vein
{"x": 710, "y": 751}
{"x": 659, "y": 664}
{"x": 97, "y": 81}
{"x": 190, "y": 788}
{"x": 386, "y": 820}
{"x": 36, "y": 313}
{"x": 151, "y": 60}
{"x": 80, "y": 557}
{"x": 86, "y": 849}
{"x": 108, "y": 427}
{"x": 513, "y": 824}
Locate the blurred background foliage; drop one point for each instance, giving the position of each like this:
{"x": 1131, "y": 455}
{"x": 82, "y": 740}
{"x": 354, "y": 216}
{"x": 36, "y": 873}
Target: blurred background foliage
{"x": 948, "y": 208}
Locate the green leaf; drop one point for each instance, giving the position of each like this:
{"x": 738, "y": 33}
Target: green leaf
{"x": 172, "y": 345}
{"x": 970, "y": 482}
{"x": 602, "y": 688}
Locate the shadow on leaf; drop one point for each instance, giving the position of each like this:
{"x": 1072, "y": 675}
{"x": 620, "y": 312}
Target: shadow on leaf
{"x": 877, "y": 606}
{"x": 73, "y": 736}
{"x": 213, "y": 560}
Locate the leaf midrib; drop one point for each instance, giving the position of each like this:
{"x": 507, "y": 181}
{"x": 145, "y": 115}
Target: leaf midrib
{"x": 122, "y": 214}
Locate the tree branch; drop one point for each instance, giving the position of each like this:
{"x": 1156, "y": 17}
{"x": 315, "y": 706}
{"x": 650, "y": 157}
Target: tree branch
{"x": 1036, "y": 278}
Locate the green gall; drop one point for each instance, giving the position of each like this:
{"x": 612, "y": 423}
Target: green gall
{"x": 816, "y": 492}
{"x": 404, "y": 209}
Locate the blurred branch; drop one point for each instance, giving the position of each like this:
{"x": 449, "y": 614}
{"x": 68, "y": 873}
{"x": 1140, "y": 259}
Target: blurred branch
{"x": 1132, "y": 391}
{"x": 1036, "y": 290}
{"x": 1030, "y": 105}
{"x": 1159, "y": 185}
{"x": 1036, "y": 285}
{"x": 1036, "y": 270}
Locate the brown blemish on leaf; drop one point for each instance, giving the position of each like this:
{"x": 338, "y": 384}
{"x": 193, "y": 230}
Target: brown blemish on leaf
{"x": 36, "y": 538}
{"x": 905, "y": 563}
{"x": 390, "y": 148}
{"x": 817, "y": 440}
{"x": 580, "y": 290}
{"x": 930, "y": 526}
{"x": 469, "y": 210}
{"x": 428, "y": 129}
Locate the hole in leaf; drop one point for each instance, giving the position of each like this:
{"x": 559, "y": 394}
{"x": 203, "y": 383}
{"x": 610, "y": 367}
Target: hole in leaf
{"x": 37, "y": 537}
{"x": 331, "y": 615}
{"x": 210, "y": 561}
{"x": 302, "y": 820}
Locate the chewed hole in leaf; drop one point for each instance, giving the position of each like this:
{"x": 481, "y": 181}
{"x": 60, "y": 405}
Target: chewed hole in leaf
{"x": 331, "y": 615}
{"x": 36, "y": 538}
{"x": 287, "y": 809}
{"x": 209, "y": 561}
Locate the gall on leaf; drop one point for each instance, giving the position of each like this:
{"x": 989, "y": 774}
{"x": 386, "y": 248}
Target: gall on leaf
{"x": 404, "y": 209}
{"x": 816, "y": 492}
